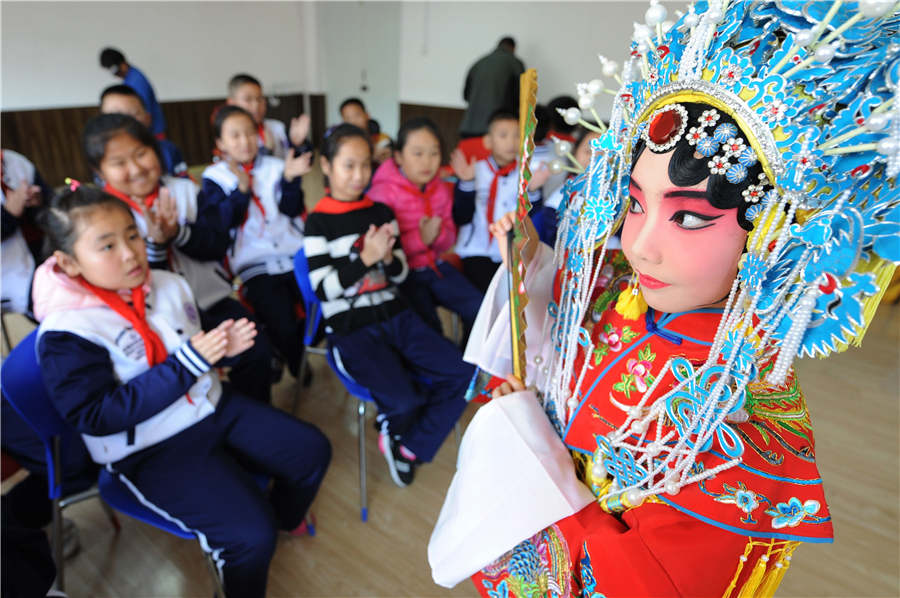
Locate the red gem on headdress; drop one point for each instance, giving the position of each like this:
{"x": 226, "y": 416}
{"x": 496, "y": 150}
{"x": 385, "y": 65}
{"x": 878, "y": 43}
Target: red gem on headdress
{"x": 860, "y": 170}
{"x": 665, "y": 126}
{"x": 830, "y": 284}
{"x": 662, "y": 51}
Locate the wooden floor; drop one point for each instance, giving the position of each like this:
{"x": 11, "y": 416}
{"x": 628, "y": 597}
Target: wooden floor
{"x": 854, "y": 402}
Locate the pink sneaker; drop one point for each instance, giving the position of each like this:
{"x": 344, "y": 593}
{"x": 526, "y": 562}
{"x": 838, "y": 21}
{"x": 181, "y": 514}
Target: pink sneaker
{"x": 306, "y": 528}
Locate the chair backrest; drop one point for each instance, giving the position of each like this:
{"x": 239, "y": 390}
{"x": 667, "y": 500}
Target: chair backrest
{"x": 311, "y": 303}
{"x": 313, "y": 318}
{"x": 23, "y": 387}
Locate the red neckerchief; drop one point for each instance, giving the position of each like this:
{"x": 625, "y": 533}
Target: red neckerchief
{"x": 148, "y": 201}
{"x": 136, "y": 314}
{"x": 429, "y": 211}
{"x": 492, "y": 196}
{"x": 329, "y": 205}
{"x": 248, "y": 168}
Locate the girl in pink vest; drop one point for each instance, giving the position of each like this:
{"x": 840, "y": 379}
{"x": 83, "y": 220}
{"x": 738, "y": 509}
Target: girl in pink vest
{"x": 423, "y": 203}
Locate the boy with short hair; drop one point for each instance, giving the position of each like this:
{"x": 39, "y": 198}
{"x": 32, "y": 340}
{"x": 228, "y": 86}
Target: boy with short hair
{"x": 354, "y": 112}
{"x": 246, "y": 92}
{"x": 121, "y": 99}
{"x": 486, "y": 190}
{"x": 113, "y": 60}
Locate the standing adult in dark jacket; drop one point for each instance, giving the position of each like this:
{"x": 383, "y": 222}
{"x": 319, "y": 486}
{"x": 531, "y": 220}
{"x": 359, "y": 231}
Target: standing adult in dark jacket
{"x": 492, "y": 83}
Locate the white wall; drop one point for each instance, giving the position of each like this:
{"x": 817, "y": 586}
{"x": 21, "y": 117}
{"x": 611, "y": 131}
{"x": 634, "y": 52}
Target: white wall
{"x": 359, "y": 45}
{"x": 413, "y": 52}
{"x": 188, "y": 50}
{"x": 440, "y": 40}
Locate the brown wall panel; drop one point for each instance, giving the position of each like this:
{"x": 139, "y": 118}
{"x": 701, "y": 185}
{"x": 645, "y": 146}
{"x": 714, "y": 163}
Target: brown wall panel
{"x": 51, "y": 138}
{"x": 317, "y": 114}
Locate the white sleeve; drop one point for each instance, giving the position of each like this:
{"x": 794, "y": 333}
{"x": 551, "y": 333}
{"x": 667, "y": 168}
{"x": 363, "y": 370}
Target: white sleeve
{"x": 490, "y": 345}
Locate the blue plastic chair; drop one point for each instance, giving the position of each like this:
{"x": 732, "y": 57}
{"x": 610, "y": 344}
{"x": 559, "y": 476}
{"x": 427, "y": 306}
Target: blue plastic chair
{"x": 313, "y": 308}
{"x": 23, "y": 387}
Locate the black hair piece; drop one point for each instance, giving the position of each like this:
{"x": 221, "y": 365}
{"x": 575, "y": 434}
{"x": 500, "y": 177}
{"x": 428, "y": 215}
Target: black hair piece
{"x": 687, "y": 170}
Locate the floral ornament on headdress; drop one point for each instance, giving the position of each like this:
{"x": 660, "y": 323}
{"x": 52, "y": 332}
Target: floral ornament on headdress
{"x": 814, "y": 88}
{"x": 728, "y": 152}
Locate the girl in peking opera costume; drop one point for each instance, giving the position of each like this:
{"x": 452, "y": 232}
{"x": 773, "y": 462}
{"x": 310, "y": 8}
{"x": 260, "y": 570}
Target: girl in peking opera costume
{"x": 751, "y": 171}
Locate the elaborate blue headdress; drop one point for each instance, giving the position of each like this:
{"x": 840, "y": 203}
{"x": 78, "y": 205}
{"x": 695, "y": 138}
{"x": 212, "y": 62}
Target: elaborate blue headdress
{"x": 814, "y": 88}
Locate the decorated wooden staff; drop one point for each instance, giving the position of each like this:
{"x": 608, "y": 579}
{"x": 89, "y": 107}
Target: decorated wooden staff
{"x": 518, "y": 236}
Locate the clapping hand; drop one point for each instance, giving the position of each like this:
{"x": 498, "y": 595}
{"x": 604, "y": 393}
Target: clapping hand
{"x": 162, "y": 218}
{"x": 429, "y": 228}
{"x": 299, "y": 129}
{"x": 464, "y": 169}
{"x": 294, "y": 167}
{"x": 23, "y": 196}
{"x": 378, "y": 245}
{"x": 211, "y": 345}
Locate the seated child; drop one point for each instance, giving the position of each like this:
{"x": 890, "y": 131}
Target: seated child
{"x": 245, "y": 91}
{"x": 122, "y": 99}
{"x": 127, "y": 364}
{"x": 559, "y": 128}
{"x": 546, "y": 220}
{"x": 423, "y": 203}
{"x": 354, "y": 265}
{"x": 179, "y": 237}
{"x": 486, "y": 190}
{"x": 354, "y": 112}
{"x": 22, "y": 192}
{"x": 259, "y": 201}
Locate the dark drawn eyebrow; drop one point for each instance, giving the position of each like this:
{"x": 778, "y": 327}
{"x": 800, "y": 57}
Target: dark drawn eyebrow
{"x": 685, "y": 193}
{"x": 636, "y": 186}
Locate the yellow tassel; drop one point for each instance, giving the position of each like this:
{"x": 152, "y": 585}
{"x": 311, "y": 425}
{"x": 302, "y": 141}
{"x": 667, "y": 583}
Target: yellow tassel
{"x": 756, "y": 577}
{"x": 740, "y": 567}
{"x": 777, "y": 573}
{"x": 630, "y": 304}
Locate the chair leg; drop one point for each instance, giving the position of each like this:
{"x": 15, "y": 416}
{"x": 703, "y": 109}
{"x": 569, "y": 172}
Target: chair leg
{"x": 361, "y": 425}
{"x": 57, "y": 532}
{"x": 113, "y": 519}
{"x": 219, "y": 588}
{"x": 304, "y": 363}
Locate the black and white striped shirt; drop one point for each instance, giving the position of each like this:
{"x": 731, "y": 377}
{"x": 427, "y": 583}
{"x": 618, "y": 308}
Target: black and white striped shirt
{"x": 353, "y": 295}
